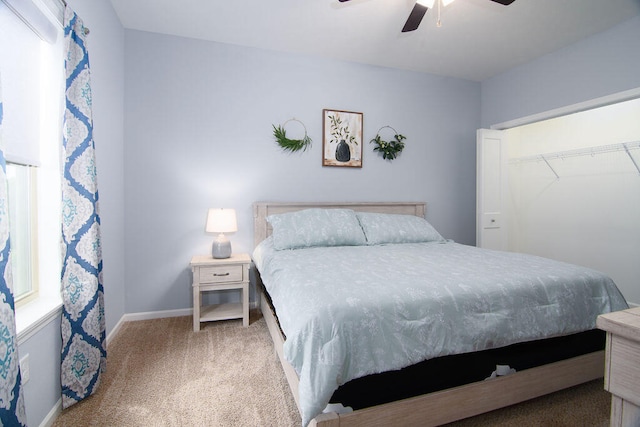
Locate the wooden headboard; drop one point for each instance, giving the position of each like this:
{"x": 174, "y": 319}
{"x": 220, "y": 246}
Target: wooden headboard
{"x": 262, "y": 229}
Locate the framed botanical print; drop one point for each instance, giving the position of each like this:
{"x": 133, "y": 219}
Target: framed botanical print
{"x": 341, "y": 138}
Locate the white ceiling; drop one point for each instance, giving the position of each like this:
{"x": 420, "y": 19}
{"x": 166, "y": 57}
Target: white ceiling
{"x": 478, "y": 38}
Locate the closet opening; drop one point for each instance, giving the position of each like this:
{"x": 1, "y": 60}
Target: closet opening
{"x": 573, "y": 190}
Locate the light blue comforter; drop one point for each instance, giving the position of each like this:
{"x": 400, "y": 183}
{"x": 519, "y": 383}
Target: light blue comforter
{"x": 351, "y": 311}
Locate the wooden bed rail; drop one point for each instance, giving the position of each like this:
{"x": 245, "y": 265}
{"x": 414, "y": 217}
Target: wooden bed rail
{"x": 457, "y": 403}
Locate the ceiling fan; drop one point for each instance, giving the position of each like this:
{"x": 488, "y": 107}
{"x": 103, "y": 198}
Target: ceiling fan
{"x": 421, "y": 7}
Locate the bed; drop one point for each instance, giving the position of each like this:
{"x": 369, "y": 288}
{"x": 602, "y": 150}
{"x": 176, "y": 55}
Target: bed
{"x": 314, "y": 278}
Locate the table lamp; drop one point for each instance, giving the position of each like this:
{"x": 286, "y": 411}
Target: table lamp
{"x": 221, "y": 221}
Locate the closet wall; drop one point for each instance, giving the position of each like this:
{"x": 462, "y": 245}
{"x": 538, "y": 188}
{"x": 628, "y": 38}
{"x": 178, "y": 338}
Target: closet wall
{"x": 575, "y": 191}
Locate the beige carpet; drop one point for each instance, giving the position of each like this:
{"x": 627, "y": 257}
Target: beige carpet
{"x": 161, "y": 373}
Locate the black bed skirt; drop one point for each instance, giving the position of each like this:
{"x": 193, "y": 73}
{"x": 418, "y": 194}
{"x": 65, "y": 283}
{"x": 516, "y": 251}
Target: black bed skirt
{"x": 452, "y": 371}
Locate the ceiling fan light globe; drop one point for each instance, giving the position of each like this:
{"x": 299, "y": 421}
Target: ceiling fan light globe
{"x": 427, "y": 3}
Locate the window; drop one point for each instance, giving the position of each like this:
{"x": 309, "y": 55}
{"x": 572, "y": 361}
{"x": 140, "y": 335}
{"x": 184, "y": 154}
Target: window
{"x": 21, "y": 183}
{"x": 32, "y": 72}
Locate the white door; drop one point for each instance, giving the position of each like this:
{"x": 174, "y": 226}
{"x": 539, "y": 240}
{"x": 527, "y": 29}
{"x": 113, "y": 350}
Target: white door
{"x": 491, "y": 190}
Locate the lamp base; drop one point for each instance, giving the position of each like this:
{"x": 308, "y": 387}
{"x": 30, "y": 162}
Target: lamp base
{"x": 221, "y": 247}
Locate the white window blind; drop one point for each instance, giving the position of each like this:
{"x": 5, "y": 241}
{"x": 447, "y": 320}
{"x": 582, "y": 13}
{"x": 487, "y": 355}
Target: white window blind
{"x": 28, "y": 29}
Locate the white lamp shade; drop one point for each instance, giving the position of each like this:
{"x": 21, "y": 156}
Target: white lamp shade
{"x": 221, "y": 221}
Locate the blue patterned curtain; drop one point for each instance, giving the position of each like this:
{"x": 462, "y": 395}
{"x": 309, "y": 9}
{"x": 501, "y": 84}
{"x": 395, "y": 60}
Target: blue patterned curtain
{"x": 84, "y": 352}
{"x": 11, "y": 399}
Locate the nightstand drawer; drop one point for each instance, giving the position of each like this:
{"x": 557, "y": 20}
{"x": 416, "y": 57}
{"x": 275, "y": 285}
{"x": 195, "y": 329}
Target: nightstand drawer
{"x": 221, "y": 274}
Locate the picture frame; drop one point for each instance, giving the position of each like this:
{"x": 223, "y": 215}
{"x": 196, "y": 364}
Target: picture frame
{"x": 342, "y": 139}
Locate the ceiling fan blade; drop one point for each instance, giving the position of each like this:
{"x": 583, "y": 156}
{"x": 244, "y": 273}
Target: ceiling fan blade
{"x": 415, "y": 18}
{"x": 342, "y": 1}
{"x": 504, "y": 2}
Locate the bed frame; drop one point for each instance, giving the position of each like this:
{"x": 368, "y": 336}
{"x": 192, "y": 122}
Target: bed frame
{"x": 440, "y": 407}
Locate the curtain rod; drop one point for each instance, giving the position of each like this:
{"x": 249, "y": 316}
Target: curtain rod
{"x": 41, "y": 16}
{"x": 64, "y": 5}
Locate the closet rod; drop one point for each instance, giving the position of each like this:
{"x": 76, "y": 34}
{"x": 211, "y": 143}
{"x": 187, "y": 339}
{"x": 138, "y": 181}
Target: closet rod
{"x": 589, "y": 151}
{"x": 592, "y": 151}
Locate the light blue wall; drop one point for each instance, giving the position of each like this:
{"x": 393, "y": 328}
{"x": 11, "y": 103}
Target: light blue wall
{"x": 600, "y": 65}
{"x": 198, "y": 135}
{"x": 42, "y": 391}
{"x": 106, "y": 51}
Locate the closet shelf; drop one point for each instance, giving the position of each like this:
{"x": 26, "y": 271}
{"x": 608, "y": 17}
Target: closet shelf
{"x": 627, "y": 147}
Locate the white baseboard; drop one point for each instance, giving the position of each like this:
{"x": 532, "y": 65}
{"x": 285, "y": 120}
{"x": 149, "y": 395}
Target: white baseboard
{"x": 149, "y": 315}
{"x": 50, "y": 418}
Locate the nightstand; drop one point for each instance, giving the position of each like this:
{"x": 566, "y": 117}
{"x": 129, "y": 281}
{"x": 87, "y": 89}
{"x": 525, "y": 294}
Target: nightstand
{"x": 210, "y": 275}
{"x": 622, "y": 368}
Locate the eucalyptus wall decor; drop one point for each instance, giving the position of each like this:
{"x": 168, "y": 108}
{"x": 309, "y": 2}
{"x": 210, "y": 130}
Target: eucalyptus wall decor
{"x": 389, "y": 149}
{"x": 291, "y": 145}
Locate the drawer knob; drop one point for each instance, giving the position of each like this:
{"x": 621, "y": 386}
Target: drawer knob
{"x": 220, "y": 275}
